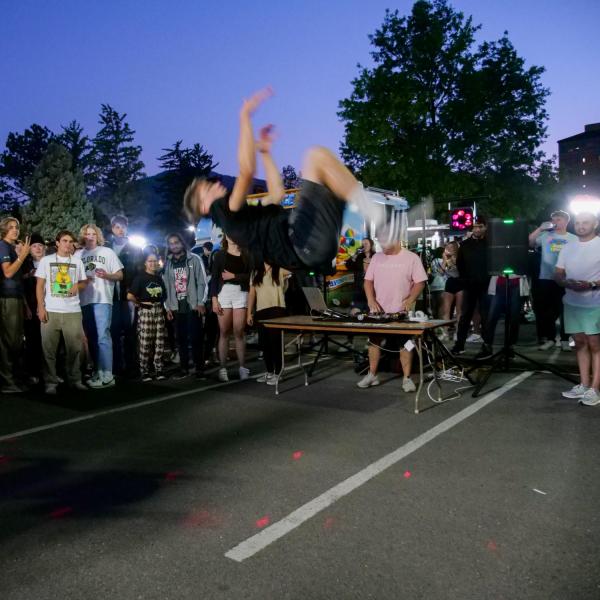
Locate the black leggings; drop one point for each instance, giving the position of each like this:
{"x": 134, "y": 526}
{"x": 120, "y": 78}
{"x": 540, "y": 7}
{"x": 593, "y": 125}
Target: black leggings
{"x": 269, "y": 340}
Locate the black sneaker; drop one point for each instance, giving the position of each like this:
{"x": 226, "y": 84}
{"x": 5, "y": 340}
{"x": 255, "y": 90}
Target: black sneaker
{"x": 181, "y": 374}
{"x": 160, "y": 376}
{"x": 456, "y": 350}
{"x": 485, "y": 353}
{"x": 146, "y": 378}
{"x": 201, "y": 375}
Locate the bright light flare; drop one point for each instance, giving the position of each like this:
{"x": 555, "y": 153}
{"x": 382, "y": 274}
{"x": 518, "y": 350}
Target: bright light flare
{"x": 585, "y": 203}
{"x": 191, "y": 228}
{"x": 138, "y": 240}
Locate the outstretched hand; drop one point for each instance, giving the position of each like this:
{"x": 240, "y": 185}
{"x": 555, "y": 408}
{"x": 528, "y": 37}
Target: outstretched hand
{"x": 265, "y": 139}
{"x": 250, "y": 105}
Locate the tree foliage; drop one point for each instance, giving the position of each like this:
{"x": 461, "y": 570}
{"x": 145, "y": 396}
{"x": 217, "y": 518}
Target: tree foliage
{"x": 57, "y": 193}
{"x": 290, "y": 177}
{"x": 180, "y": 166}
{"x": 116, "y": 164}
{"x": 437, "y": 115}
{"x": 21, "y": 156}
{"x": 79, "y": 147}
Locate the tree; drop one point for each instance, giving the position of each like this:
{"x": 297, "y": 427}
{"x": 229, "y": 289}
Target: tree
{"x": 116, "y": 164}
{"x": 20, "y": 158}
{"x": 57, "y": 194}
{"x": 290, "y": 177}
{"x": 180, "y": 166}
{"x": 436, "y": 115}
{"x": 79, "y": 147}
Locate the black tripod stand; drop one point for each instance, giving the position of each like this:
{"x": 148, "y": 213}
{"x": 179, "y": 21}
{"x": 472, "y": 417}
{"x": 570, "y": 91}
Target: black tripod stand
{"x": 502, "y": 360}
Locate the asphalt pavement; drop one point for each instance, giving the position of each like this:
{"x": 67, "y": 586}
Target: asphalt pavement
{"x": 204, "y": 490}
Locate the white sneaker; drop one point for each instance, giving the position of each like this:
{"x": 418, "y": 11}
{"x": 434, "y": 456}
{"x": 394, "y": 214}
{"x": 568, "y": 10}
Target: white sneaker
{"x": 565, "y": 346}
{"x": 546, "y": 345}
{"x": 368, "y": 380}
{"x": 577, "y": 391}
{"x": 95, "y": 382}
{"x": 408, "y": 385}
{"x": 474, "y": 338}
{"x": 244, "y": 373}
{"x": 590, "y": 398}
{"x": 264, "y": 377}
{"x": 108, "y": 380}
{"x": 274, "y": 378}
{"x": 222, "y": 376}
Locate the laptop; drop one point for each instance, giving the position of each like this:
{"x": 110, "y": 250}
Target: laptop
{"x": 318, "y": 308}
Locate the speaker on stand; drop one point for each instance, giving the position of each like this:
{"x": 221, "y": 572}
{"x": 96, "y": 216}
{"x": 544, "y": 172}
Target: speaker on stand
{"x": 508, "y": 254}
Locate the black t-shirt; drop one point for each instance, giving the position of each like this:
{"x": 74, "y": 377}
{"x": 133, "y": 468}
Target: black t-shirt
{"x": 148, "y": 288}
{"x": 10, "y": 287}
{"x": 262, "y": 230}
{"x": 237, "y": 265}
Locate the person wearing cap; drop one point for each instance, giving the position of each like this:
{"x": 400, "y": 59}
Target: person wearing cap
{"x": 471, "y": 262}
{"x": 12, "y": 306}
{"x": 550, "y": 237}
{"x": 123, "y": 311}
{"x": 33, "y": 335}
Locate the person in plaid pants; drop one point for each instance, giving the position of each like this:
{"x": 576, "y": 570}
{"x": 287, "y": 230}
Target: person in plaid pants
{"x": 148, "y": 292}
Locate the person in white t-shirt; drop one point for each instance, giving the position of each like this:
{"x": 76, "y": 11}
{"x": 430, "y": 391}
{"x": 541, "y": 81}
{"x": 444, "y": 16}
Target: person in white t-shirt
{"x": 578, "y": 271}
{"x": 60, "y": 280}
{"x": 102, "y": 268}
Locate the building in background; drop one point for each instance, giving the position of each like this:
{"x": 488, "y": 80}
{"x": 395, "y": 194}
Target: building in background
{"x": 579, "y": 161}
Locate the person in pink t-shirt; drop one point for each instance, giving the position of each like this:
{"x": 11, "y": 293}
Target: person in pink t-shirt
{"x": 393, "y": 282}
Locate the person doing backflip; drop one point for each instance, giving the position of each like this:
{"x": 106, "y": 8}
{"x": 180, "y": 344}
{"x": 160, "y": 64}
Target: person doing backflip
{"x": 306, "y": 238}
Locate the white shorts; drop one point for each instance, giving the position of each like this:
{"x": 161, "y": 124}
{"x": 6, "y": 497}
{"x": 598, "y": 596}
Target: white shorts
{"x": 231, "y": 296}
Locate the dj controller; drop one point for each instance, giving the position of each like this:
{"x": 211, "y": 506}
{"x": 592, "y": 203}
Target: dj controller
{"x": 333, "y": 315}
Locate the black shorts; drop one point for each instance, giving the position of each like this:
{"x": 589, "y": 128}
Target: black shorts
{"x": 454, "y": 285}
{"x": 315, "y": 225}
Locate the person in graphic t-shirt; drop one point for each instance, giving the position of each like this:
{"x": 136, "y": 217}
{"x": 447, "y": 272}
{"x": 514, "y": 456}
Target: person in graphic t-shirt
{"x": 550, "y": 237}
{"x": 60, "y": 280}
{"x": 148, "y": 292}
{"x": 186, "y": 287}
{"x": 393, "y": 282}
{"x": 103, "y": 269}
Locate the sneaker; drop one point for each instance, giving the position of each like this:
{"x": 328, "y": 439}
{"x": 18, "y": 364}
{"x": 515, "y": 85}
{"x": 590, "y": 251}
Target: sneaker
{"x": 456, "y": 350}
{"x": 474, "y": 338}
{"x": 13, "y": 388}
{"x": 33, "y": 380}
{"x": 181, "y": 374}
{"x": 485, "y": 353}
{"x": 95, "y": 382}
{"x": 274, "y": 379}
{"x": 590, "y": 398}
{"x": 50, "y": 389}
{"x": 223, "y": 376}
{"x": 160, "y": 376}
{"x": 264, "y": 377}
{"x": 368, "y": 380}
{"x": 577, "y": 391}
{"x": 565, "y": 346}
{"x": 244, "y": 373}
{"x": 408, "y": 385}
{"x": 146, "y": 378}
{"x": 80, "y": 387}
{"x": 546, "y": 345}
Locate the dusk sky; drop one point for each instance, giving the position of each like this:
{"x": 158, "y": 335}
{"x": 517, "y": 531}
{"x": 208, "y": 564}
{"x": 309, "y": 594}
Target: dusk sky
{"x": 180, "y": 69}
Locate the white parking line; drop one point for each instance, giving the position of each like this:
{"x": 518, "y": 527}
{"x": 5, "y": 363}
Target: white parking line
{"x": 267, "y": 536}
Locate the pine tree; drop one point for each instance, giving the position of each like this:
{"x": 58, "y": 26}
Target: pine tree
{"x": 79, "y": 147}
{"x": 57, "y": 195}
{"x": 116, "y": 164}
{"x": 180, "y": 166}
